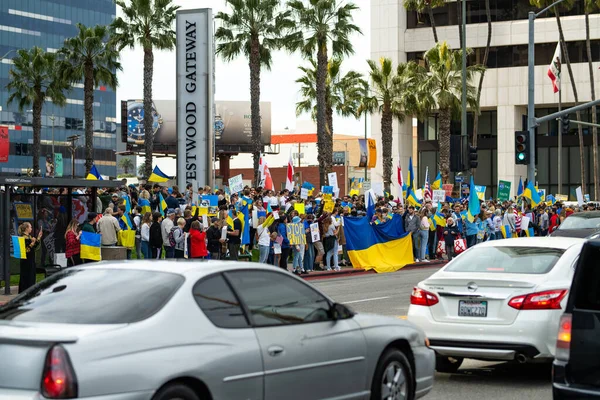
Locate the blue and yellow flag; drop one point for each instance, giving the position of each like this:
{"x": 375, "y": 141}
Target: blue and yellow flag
{"x": 162, "y": 205}
{"x": 532, "y": 194}
{"x": 411, "y": 195}
{"x": 90, "y": 246}
{"x": 520, "y": 188}
{"x": 158, "y": 176}
{"x": 245, "y": 210}
{"x": 506, "y": 233}
{"x": 145, "y": 204}
{"x": 127, "y": 205}
{"x": 230, "y": 219}
{"x": 128, "y": 225}
{"x": 474, "y": 204}
{"x": 529, "y": 232}
{"x": 437, "y": 182}
{"x": 94, "y": 175}
{"x": 384, "y": 247}
{"x": 19, "y": 250}
{"x": 439, "y": 219}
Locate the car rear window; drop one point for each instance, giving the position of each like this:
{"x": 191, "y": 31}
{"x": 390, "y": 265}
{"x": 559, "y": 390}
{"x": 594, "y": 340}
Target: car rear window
{"x": 575, "y": 222}
{"x": 507, "y": 260}
{"x": 586, "y": 285}
{"x": 94, "y": 296}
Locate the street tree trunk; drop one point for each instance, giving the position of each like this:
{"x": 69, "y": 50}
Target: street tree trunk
{"x": 37, "y": 131}
{"x": 593, "y": 90}
{"x": 565, "y": 54}
{"x": 485, "y": 60}
{"x": 324, "y": 155}
{"x": 329, "y": 132}
{"x": 445, "y": 119}
{"x": 255, "y": 105}
{"x": 432, "y": 21}
{"x": 88, "y": 109}
{"x": 148, "y": 118}
{"x": 386, "y": 144}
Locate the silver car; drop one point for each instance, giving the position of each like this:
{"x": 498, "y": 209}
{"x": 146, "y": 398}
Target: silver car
{"x": 166, "y": 330}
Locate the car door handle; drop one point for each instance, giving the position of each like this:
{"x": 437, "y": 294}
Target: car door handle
{"x": 274, "y": 351}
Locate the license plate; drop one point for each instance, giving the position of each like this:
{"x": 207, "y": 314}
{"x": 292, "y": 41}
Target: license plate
{"x": 472, "y": 308}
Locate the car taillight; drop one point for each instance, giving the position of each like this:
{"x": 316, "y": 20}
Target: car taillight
{"x": 563, "y": 342}
{"x": 58, "y": 377}
{"x": 420, "y": 297}
{"x": 547, "y": 300}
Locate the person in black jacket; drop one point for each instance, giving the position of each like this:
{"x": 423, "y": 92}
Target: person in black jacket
{"x": 213, "y": 236}
{"x": 451, "y": 233}
{"x": 156, "y": 240}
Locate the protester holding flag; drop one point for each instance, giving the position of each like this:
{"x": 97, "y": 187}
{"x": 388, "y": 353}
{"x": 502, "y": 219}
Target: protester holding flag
{"x": 451, "y": 233}
{"x": 72, "y": 247}
{"x": 27, "y": 264}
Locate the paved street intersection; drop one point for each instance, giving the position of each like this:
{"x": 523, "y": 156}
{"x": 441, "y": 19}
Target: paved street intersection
{"x": 389, "y": 294}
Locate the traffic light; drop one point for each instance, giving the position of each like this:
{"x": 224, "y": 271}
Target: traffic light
{"x": 456, "y": 152}
{"x": 565, "y": 124}
{"x": 522, "y": 144}
{"x": 473, "y": 157}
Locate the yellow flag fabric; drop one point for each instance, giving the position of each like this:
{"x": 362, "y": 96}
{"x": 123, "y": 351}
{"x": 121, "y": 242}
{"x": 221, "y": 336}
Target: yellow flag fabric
{"x": 127, "y": 239}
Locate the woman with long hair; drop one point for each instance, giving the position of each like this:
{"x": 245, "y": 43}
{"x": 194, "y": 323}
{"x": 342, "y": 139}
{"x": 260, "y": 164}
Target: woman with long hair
{"x": 145, "y": 235}
{"x": 73, "y": 247}
{"x": 27, "y": 265}
{"x": 330, "y": 243}
{"x": 285, "y": 244}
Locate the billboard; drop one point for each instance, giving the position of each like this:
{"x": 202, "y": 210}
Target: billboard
{"x": 195, "y": 93}
{"x": 232, "y": 125}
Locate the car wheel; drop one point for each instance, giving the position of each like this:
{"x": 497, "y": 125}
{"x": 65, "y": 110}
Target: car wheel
{"x": 176, "y": 392}
{"x": 448, "y": 365}
{"x": 393, "y": 379}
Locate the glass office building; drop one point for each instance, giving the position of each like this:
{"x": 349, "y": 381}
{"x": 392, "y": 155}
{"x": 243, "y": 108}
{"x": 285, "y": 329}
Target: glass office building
{"x": 46, "y": 24}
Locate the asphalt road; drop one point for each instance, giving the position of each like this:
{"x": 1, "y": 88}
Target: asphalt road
{"x": 389, "y": 294}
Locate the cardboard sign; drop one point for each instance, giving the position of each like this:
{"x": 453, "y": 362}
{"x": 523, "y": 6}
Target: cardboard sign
{"x": 562, "y": 197}
{"x": 332, "y": 178}
{"x": 328, "y": 206}
{"x": 448, "y": 188}
{"x": 296, "y": 234}
{"x": 304, "y": 193}
{"x": 314, "y": 232}
{"x": 24, "y": 211}
{"x": 579, "y": 194}
{"x": 439, "y": 196}
{"x": 504, "y": 190}
{"x": 236, "y": 184}
{"x": 300, "y": 208}
{"x": 58, "y": 166}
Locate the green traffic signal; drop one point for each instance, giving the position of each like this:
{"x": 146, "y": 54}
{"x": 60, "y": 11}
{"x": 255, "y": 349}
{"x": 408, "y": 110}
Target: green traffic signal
{"x": 521, "y": 156}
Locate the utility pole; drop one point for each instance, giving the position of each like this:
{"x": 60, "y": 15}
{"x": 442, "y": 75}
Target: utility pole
{"x": 52, "y": 118}
{"x": 463, "y": 122}
{"x": 73, "y": 147}
{"x": 366, "y": 167}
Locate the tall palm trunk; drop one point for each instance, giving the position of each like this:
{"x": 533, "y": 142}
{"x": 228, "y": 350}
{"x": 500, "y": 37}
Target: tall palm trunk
{"x": 255, "y": 105}
{"x": 445, "y": 118}
{"x": 592, "y": 88}
{"x": 324, "y": 149}
{"x": 565, "y": 54}
{"x": 386, "y": 144}
{"x": 485, "y": 60}
{"x": 329, "y": 132}
{"x": 148, "y": 119}
{"x": 432, "y": 21}
{"x": 459, "y": 21}
{"x": 88, "y": 109}
{"x": 37, "y": 131}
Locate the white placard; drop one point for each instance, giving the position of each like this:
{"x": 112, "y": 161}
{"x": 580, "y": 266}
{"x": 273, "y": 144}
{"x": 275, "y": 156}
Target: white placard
{"x": 224, "y": 233}
{"x": 186, "y": 250}
{"x": 314, "y": 232}
{"x": 439, "y": 196}
{"x": 194, "y": 92}
{"x": 275, "y": 215}
{"x": 205, "y": 221}
{"x": 332, "y": 177}
{"x": 254, "y": 218}
{"x": 304, "y": 193}
{"x": 336, "y": 193}
{"x": 419, "y": 194}
{"x": 194, "y": 195}
{"x": 377, "y": 188}
{"x": 236, "y": 184}
{"x": 276, "y": 248}
{"x": 579, "y": 194}
{"x": 525, "y": 223}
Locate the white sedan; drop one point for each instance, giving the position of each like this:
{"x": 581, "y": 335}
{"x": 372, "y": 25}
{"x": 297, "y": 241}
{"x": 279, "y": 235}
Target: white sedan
{"x": 500, "y": 300}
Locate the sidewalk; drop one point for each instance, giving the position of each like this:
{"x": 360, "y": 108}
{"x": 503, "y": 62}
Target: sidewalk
{"x": 4, "y": 298}
{"x": 360, "y": 271}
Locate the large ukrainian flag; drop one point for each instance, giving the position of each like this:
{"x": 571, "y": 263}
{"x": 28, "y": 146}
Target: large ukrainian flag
{"x": 158, "y": 176}
{"x": 19, "y": 250}
{"x": 384, "y": 248}
{"x": 90, "y": 246}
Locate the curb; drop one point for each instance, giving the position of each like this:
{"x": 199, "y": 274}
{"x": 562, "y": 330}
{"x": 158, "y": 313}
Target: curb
{"x": 352, "y": 271}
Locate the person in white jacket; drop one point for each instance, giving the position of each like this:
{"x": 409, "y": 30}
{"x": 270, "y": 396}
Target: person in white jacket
{"x": 145, "y": 235}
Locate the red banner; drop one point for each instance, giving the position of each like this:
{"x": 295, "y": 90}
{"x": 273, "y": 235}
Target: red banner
{"x": 4, "y": 144}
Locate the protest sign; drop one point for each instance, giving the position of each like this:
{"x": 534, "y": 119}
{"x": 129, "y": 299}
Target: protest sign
{"x": 314, "y": 232}
{"x": 24, "y": 211}
{"x": 304, "y": 193}
{"x": 236, "y": 184}
{"x": 296, "y": 234}
{"x": 448, "y": 188}
{"x": 300, "y": 208}
{"x": 333, "y": 181}
{"x": 439, "y": 196}
{"x": 579, "y": 194}
{"x": 328, "y": 206}
{"x": 504, "y": 190}
{"x": 562, "y": 197}
{"x": 542, "y": 194}
{"x": 480, "y": 190}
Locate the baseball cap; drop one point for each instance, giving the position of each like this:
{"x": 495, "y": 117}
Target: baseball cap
{"x": 213, "y": 220}
{"x": 170, "y": 211}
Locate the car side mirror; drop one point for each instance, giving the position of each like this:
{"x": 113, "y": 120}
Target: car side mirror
{"x": 340, "y": 311}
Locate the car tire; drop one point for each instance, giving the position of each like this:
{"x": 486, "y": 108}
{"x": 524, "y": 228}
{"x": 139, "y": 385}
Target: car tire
{"x": 393, "y": 378}
{"x": 447, "y": 365}
{"x": 176, "y": 391}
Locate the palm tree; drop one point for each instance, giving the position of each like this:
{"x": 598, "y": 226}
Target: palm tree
{"x": 34, "y": 78}
{"x": 254, "y": 28}
{"x": 425, "y": 6}
{"x": 393, "y": 95}
{"x": 567, "y": 5}
{"x": 343, "y": 93}
{"x": 441, "y": 89}
{"x": 323, "y": 25}
{"x": 90, "y": 58}
{"x": 149, "y": 23}
{"x": 592, "y": 6}
{"x": 482, "y": 75}
{"x": 126, "y": 164}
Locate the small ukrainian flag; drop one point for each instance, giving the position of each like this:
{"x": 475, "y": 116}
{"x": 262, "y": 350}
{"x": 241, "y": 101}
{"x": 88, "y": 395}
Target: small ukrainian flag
{"x": 90, "y": 246}
{"x": 162, "y": 205}
{"x": 19, "y": 250}
{"x": 158, "y": 176}
{"x": 94, "y": 175}
{"x": 145, "y": 204}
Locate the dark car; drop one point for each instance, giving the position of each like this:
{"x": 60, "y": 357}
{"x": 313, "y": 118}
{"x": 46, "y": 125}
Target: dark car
{"x": 581, "y": 225}
{"x": 576, "y": 369}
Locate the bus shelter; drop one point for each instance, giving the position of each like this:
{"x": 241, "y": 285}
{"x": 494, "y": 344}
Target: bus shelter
{"x": 48, "y": 204}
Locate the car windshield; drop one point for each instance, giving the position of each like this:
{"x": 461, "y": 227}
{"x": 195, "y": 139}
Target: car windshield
{"x": 575, "y": 222}
{"x": 94, "y": 296}
{"x": 508, "y": 260}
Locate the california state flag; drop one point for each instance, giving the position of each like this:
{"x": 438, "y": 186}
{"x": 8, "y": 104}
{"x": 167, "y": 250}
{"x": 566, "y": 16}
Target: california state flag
{"x": 400, "y": 185}
{"x": 555, "y": 67}
{"x": 289, "y": 179}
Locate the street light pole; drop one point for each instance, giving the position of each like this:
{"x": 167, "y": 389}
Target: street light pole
{"x": 52, "y": 118}
{"x": 463, "y": 122}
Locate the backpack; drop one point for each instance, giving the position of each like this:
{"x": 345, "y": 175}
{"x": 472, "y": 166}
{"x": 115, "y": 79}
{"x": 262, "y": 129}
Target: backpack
{"x": 172, "y": 242}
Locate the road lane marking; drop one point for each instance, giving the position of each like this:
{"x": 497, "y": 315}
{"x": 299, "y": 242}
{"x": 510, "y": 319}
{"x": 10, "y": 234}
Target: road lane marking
{"x": 363, "y": 300}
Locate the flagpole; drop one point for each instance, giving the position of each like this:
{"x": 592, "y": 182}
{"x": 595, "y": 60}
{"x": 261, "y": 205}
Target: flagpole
{"x": 560, "y": 127}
